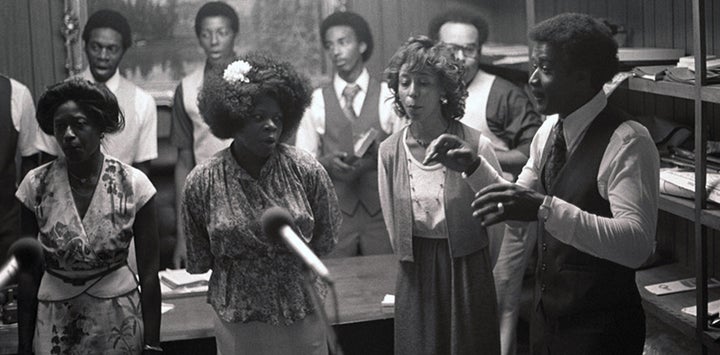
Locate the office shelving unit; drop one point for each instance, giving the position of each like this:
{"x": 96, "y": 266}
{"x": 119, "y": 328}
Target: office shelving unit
{"x": 668, "y": 307}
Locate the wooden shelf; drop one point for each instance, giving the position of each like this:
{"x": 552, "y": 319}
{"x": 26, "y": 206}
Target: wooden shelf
{"x": 710, "y": 93}
{"x": 668, "y": 308}
{"x": 678, "y": 206}
{"x": 685, "y": 208}
{"x": 711, "y": 217}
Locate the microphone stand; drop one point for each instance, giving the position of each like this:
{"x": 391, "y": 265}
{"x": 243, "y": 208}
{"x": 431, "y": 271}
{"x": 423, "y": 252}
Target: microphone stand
{"x": 333, "y": 345}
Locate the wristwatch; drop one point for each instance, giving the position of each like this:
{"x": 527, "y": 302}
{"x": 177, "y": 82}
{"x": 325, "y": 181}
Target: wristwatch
{"x": 544, "y": 210}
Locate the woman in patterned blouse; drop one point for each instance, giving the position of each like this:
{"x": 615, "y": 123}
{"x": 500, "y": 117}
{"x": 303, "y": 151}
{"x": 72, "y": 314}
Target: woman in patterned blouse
{"x": 88, "y": 207}
{"x": 257, "y": 287}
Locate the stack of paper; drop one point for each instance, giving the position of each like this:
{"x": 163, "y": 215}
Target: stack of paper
{"x": 669, "y": 287}
{"x": 681, "y": 183}
{"x": 689, "y": 61}
{"x": 685, "y": 62}
{"x": 182, "y": 278}
{"x": 713, "y": 307}
{"x": 651, "y": 72}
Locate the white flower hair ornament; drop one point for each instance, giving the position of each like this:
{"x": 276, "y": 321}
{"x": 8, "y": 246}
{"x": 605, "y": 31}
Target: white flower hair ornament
{"x": 237, "y": 72}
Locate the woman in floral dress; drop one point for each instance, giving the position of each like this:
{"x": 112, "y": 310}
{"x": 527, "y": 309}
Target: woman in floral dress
{"x": 88, "y": 207}
{"x": 256, "y": 287}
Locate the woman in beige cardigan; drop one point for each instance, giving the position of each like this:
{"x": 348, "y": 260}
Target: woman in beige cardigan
{"x": 445, "y": 295}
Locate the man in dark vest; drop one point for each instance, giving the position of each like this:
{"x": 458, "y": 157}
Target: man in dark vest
{"x": 591, "y": 183}
{"x": 340, "y": 114}
{"x": 20, "y": 134}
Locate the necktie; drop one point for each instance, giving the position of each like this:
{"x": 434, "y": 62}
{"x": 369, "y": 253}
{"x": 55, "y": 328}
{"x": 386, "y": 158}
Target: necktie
{"x": 556, "y": 158}
{"x": 348, "y": 95}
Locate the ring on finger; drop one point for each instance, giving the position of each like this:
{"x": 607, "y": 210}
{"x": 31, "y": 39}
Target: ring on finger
{"x": 500, "y": 208}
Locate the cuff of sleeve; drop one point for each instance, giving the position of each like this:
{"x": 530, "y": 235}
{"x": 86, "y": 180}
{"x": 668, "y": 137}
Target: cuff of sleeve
{"x": 483, "y": 176}
{"x": 545, "y": 209}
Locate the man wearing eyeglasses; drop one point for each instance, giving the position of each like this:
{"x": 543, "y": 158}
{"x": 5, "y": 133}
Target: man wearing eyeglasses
{"x": 495, "y": 107}
{"x": 504, "y": 114}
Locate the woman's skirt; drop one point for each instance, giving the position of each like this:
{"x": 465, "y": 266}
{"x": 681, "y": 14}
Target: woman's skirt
{"x": 445, "y": 305}
{"x": 304, "y": 337}
{"x": 90, "y": 325}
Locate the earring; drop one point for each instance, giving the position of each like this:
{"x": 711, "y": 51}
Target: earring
{"x": 443, "y": 100}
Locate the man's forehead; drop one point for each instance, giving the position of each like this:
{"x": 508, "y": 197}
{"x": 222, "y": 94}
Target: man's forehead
{"x": 544, "y": 51}
{"x": 339, "y": 31}
{"x": 105, "y": 34}
{"x": 458, "y": 33}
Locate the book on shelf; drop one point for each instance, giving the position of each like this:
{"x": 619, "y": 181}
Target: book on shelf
{"x": 642, "y": 54}
{"x": 681, "y": 182}
{"x": 666, "y": 288}
{"x": 181, "y": 278}
{"x": 689, "y": 61}
{"x": 686, "y": 76}
{"x": 688, "y": 156}
{"x": 650, "y": 72}
{"x": 711, "y": 65}
{"x": 504, "y": 54}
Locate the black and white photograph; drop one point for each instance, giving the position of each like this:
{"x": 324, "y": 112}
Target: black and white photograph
{"x": 360, "y": 177}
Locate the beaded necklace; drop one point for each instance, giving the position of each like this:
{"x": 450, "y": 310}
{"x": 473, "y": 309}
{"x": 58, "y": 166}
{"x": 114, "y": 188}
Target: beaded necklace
{"x": 415, "y": 184}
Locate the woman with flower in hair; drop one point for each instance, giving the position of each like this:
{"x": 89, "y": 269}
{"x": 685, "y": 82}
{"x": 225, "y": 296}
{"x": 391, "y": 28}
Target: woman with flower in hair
{"x": 86, "y": 208}
{"x": 257, "y": 287}
{"x": 445, "y": 295}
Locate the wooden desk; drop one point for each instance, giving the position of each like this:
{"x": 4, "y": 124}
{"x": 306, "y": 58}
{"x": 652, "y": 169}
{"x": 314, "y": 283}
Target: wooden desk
{"x": 361, "y": 283}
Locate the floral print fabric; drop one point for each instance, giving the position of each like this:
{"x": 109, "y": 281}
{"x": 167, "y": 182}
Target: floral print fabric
{"x": 101, "y": 238}
{"x": 253, "y": 278}
{"x": 76, "y": 322}
{"x": 89, "y": 325}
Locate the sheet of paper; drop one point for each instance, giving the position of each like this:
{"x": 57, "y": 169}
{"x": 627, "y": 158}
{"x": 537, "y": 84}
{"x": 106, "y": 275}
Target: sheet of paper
{"x": 388, "y": 300}
{"x": 713, "y": 307}
{"x": 666, "y": 288}
{"x": 182, "y": 278}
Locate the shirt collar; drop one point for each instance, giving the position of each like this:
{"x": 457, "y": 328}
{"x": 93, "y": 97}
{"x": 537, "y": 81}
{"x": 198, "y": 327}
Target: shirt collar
{"x": 577, "y": 122}
{"x": 363, "y": 81}
{"x": 111, "y": 84}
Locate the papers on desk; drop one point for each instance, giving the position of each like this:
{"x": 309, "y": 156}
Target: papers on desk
{"x": 669, "y": 287}
{"x": 182, "y": 282}
{"x": 713, "y": 307}
{"x": 166, "y": 307}
{"x": 388, "y": 301}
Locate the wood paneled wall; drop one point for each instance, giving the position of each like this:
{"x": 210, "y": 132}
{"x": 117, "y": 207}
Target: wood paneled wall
{"x": 31, "y": 45}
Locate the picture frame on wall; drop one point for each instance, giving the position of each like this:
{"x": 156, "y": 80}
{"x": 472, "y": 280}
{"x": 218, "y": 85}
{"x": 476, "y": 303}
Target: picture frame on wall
{"x": 165, "y": 47}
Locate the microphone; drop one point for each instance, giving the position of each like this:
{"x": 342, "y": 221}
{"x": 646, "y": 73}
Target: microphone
{"x": 23, "y": 253}
{"x": 276, "y": 224}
